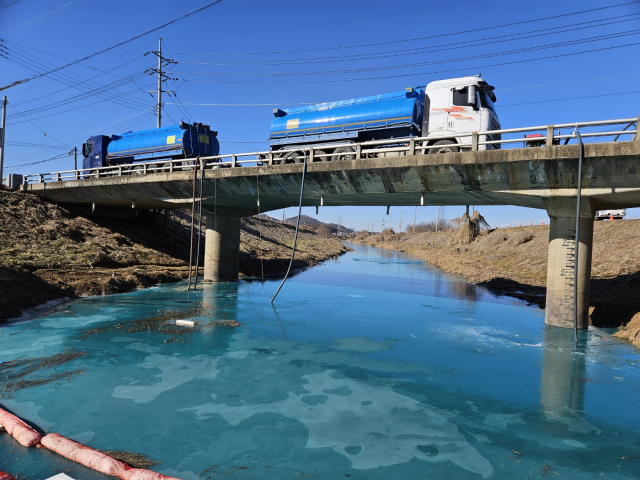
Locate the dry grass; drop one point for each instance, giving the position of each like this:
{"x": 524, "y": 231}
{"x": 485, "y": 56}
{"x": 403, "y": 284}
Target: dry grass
{"x": 135, "y": 460}
{"x": 20, "y": 373}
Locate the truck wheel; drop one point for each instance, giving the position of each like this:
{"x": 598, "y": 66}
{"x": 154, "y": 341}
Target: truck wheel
{"x": 341, "y": 153}
{"x": 137, "y": 170}
{"x": 292, "y": 157}
{"x": 166, "y": 167}
{"x": 444, "y": 146}
{"x": 320, "y": 159}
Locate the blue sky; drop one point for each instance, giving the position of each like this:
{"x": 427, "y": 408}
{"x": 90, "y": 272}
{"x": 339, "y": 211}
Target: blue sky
{"x": 282, "y": 53}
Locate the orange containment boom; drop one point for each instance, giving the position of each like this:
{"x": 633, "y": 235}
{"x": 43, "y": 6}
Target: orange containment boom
{"x": 23, "y": 433}
{"x": 96, "y": 460}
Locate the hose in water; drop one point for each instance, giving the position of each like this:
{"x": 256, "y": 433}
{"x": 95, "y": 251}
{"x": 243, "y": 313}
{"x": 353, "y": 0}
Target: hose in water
{"x": 577, "y": 240}
{"x": 295, "y": 239}
{"x": 193, "y": 213}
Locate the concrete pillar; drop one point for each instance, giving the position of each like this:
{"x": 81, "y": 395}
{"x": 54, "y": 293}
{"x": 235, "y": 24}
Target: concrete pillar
{"x": 222, "y": 249}
{"x": 562, "y": 261}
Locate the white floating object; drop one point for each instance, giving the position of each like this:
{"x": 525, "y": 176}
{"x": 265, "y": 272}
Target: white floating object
{"x": 186, "y": 323}
{"x": 60, "y": 476}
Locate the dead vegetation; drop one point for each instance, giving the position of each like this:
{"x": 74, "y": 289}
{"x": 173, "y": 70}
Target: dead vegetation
{"x": 164, "y": 323}
{"x": 514, "y": 262}
{"x": 30, "y": 372}
{"x": 135, "y": 460}
{"x": 48, "y": 253}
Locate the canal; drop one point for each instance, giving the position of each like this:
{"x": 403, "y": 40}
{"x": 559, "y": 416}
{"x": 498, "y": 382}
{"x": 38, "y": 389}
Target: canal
{"x": 371, "y": 366}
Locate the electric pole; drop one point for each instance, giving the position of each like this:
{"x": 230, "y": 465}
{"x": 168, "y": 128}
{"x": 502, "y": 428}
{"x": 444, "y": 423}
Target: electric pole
{"x": 3, "y": 130}
{"x": 74, "y": 152}
{"x": 415, "y": 215}
{"x": 339, "y": 219}
{"x": 161, "y": 76}
{"x": 400, "y": 226}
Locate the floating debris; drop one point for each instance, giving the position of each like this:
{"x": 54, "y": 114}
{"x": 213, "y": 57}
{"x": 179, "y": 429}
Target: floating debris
{"x": 135, "y": 460}
{"x": 17, "y": 374}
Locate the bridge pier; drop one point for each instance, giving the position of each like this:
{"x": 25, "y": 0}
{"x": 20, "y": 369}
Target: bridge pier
{"x": 222, "y": 249}
{"x": 562, "y": 261}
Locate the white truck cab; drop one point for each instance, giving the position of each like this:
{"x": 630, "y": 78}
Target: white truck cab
{"x": 459, "y": 105}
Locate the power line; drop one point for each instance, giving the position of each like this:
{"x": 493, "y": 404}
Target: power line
{"x": 554, "y": 45}
{"x": 482, "y": 29}
{"x": 570, "y": 98}
{"x": 147, "y": 32}
{"x": 41, "y": 16}
{"x": 431, "y": 49}
{"x": 435, "y": 72}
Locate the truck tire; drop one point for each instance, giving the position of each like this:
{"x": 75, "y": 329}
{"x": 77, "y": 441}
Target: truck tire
{"x": 292, "y": 157}
{"x": 139, "y": 170}
{"x": 320, "y": 159}
{"x": 341, "y": 153}
{"x": 445, "y": 146}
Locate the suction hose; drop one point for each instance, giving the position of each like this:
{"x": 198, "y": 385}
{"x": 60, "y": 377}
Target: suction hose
{"x": 295, "y": 239}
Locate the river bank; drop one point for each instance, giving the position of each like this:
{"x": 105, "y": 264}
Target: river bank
{"x": 513, "y": 262}
{"x": 47, "y": 253}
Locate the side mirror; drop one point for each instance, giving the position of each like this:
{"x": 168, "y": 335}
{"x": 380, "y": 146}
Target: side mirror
{"x": 471, "y": 96}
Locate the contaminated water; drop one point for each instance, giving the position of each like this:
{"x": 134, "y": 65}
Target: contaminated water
{"x": 371, "y": 366}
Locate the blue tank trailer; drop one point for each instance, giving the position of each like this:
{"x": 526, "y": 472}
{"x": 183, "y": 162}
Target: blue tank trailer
{"x": 174, "y": 142}
{"x": 442, "y": 111}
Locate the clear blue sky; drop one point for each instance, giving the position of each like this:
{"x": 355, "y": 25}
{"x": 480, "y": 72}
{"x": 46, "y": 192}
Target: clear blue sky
{"x": 284, "y": 53}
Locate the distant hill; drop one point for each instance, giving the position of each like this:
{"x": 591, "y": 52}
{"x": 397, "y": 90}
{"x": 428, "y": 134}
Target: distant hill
{"x": 308, "y": 221}
{"x": 312, "y": 222}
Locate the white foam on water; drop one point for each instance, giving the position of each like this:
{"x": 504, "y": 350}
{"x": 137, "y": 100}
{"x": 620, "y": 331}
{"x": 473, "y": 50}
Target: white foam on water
{"x": 175, "y": 370}
{"x": 574, "y": 443}
{"x": 504, "y": 420}
{"x": 356, "y": 296}
{"x": 472, "y": 406}
{"x": 392, "y": 429}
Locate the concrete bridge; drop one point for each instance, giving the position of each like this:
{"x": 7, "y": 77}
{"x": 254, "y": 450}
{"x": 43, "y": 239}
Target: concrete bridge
{"x": 545, "y": 177}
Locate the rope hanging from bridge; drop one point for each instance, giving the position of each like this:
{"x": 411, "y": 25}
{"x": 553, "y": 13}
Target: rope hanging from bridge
{"x": 193, "y": 213}
{"x": 260, "y": 230}
{"x": 295, "y": 238}
{"x": 202, "y": 165}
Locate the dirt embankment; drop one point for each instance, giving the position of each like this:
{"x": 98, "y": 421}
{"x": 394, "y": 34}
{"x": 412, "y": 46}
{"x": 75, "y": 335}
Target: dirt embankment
{"x": 514, "y": 262}
{"x": 47, "y": 253}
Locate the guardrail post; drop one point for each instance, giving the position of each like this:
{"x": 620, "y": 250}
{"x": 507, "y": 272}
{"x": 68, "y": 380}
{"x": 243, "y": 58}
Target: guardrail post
{"x": 638, "y": 129}
{"x": 474, "y": 141}
{"x": 171, "y": 166}
{"x": 41, "y": 178}
{"x": 412, "y": 146}
{"x": 358, "y": 151}
{"x": 549, "y": 136}
{"x": 77, "y": 175}
{"x": 270, "y": 157}
{"x": 119, "y": 170}
{"x": 97, "y": 173}
{"x": 311, "y": 155}
{"x": 58, "y": 177}
{"x": 144, "y": 168}
{"x": 234, "y": 160}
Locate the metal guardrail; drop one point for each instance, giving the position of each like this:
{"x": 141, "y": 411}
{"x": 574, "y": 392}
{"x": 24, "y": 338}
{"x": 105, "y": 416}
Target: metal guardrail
{"x": 370, "y": 149}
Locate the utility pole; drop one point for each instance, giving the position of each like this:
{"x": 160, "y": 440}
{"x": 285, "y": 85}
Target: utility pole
{"x": 415, "y": 215}
{"x": 161, "y": 76}
{"x": 339, "y": 219}
{"x": 74, "y": 152}
{"x": 400, "y": 226}
{"x": 3, "y": 130}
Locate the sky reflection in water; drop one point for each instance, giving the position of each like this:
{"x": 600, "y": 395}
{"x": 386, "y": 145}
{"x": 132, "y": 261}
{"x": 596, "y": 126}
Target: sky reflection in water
{"x": 374, "y": 366}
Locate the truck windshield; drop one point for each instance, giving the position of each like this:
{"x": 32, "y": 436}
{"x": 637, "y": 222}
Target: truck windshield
{"x": 485, "y": 101}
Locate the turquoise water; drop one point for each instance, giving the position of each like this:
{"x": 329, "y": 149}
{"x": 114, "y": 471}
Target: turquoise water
{"x": 372, "y": 366}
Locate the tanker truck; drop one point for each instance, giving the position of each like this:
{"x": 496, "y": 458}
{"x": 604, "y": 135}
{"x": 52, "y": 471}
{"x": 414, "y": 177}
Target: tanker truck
{"x": 183, "y": 140}
{"x": 441, "y": 112}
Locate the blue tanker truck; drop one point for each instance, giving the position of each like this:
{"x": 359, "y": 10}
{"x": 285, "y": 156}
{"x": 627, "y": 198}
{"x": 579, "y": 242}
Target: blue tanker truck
{"x": 441, "y": 112}
{"x": 174, "y": 142}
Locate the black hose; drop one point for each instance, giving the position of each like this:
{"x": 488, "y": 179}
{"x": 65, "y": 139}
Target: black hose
{"x": 195, "y": 285}
{"x": 295, "y": 239}
{"x": 577, "y": 239}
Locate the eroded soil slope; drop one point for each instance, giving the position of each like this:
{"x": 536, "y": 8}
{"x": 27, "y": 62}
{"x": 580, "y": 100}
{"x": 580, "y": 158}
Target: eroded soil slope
{"x": 47, "y": 253}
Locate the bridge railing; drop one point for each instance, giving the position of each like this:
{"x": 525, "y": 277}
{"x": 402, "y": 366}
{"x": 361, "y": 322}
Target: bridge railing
{"x": 551, "y": 135}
